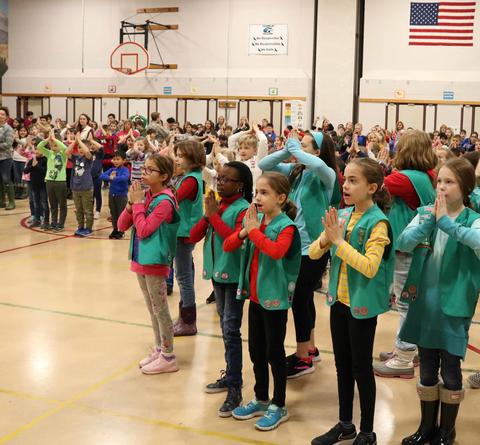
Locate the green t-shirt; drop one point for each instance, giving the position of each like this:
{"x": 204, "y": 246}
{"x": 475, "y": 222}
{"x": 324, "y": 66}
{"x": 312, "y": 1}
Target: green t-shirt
{"x": 56, "y": 161}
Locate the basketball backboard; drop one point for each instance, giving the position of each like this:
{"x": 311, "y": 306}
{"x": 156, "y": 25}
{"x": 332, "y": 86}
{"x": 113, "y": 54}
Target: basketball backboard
{"x": 129, "y": 58}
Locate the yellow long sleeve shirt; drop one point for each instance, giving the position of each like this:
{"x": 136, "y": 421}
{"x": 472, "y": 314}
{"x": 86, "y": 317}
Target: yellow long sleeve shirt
{"x": 367, "y": 264}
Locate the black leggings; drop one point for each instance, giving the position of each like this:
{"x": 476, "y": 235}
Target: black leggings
{"x": 450, "y": 368}
{"x": 353, "y": 348}
{"x": 303, "y": 306}
{"x": 266, "y": 335}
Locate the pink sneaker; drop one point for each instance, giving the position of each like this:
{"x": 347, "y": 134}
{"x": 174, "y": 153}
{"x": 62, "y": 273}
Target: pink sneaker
{"x": 161, "y": 365}
{"x": 151, "y": 357}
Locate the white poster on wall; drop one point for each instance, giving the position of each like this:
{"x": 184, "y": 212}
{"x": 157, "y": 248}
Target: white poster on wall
{"x": 294, "y": 114}
{"x": 268, "y": 40}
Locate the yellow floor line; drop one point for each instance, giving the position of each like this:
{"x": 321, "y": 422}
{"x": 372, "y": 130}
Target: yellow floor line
{"x": 91, "y": 389}
{"x": 71, "y": 404}
{"x": 163, "y": 423}
{"x": 26, "y": 395}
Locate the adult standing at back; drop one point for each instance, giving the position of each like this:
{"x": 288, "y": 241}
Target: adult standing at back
{"x": 156, "y": 124}
{"x": 6, "y": 161}
{"x": 314, "y": 188}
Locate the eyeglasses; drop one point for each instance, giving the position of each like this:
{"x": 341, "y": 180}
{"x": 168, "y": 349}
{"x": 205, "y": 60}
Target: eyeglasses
{"x": 225, "y": 180}
{"x": 148, "y": 171}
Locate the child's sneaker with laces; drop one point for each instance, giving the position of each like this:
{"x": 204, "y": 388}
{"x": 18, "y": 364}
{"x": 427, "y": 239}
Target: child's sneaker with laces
{"x": 150, "y": 358}
{"x": 296, "y": 367}
{"x": 335, "y": 435}
{"x": 87, "y": 232}
{"x": 79, "y": 231}
{"x": 474, "y": 380}
{"x": 272, "y": 418}
{"x": 161, "y": 365}
{"x": 219, "y": 386}
{"x": 364, "y": 439}
{"x": 233, "y": 400}
{"x": 254, "y": 408}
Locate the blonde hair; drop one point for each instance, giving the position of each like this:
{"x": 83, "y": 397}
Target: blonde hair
{"x": 229, "y": 154}
{"x": 249, "y": 140}
{"x": 415, "y": 152}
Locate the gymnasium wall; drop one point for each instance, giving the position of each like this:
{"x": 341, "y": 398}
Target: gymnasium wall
{"x": 416, "y": 72}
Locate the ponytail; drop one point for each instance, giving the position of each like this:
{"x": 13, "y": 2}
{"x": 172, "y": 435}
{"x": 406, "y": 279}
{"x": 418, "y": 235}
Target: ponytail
{"x": 290, "y": 209}
{"x": 383, "y": 199}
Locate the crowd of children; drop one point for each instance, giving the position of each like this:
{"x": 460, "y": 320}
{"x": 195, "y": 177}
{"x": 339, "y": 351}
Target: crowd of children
{"x": 394, "y": 213}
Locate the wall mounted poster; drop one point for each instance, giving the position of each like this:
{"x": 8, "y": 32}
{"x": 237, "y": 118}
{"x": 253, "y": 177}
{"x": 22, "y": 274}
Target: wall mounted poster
{"x": 294, "y": 114}
{"x": 268, "y": 40}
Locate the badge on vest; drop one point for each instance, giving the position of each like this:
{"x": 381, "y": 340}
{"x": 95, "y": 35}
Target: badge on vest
{"x": 329, "y": 298}
{"x": 291, "y": 286}
{"x": 363, "y": 311}
{"x": 267, "y": 304}
{"x": 361, "y": 235}
{"x": 225, "y": 276}
{"x": 204, "y": 273}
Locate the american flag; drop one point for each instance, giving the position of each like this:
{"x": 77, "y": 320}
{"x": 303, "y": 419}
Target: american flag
{"x": 442, "y": 23}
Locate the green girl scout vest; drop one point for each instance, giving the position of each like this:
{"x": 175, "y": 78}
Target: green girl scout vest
{"x": 221, "y": 266}
{"x": 459, "y": 272}
{"x": 276, "y": 278}
{"x": 190, "y": 211}
{"x": 314, "y": 201}
{"x": 400, "y": 214}
{"x": 368, "y": 296}
{"x": 160, "y": 246}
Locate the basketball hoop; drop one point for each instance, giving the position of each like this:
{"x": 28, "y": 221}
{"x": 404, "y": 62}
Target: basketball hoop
{"x": 129, "y": 58}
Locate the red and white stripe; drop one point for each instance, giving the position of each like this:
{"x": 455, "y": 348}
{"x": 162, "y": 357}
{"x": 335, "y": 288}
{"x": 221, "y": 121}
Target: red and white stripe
{"x": 455, "y": 26}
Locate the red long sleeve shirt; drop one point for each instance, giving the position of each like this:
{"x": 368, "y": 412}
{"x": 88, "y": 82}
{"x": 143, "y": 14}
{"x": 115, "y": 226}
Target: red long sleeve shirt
{"x": 399, "y": 185}
{"x": 222, "y": 229}
{"x": 188, "y": 189}
{"x": 275, "y": 249}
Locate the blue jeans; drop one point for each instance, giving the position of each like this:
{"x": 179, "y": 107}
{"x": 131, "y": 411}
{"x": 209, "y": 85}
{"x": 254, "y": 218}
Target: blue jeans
{"x": 6, "y": 166}
{"x": 170, "y": 277}
{"x": 230, "y": 311}
{"x": 18, "y": 167}
{"x": 185, "y": 272}
{"x": 40, "y": 204}
{"x": 450, "y": 369}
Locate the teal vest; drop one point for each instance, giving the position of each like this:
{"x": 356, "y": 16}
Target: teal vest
{"x": 221, "y": 266}
{"x": 475, "y": 199}
{"x": 400, "y": 214}
{"x": 314, "y": 201}
{"x": 190, "y": 211}
{"x": 160, "y": 246}
{"x": 276, "y": 278}
{"x": 368, "y": 296}
{"x": 459, "y": 272}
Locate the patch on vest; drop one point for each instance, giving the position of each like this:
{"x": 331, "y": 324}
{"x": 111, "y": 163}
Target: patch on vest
{"x": 204, "y": 273}
{"x": 217, "y": 274}
{"x": 329, "y": 298}
{"x": 239, "y": 292}
{"x": 267, "y": 304}
{"x": 360, "y": 310}
{"x": 225, "y": 276}
{"x": 291, "y": 286}
{"x": 276, "y": 303}
{"x": 361, "y": 235}
{"x": 405, "y": 295}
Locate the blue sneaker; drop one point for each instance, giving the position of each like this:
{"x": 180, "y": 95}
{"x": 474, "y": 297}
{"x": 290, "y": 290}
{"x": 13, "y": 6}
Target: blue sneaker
{"x": 272, "y": 418}
{"x": 254, "y": 408}
{"x": 87, "y": 232}
{"x": 79, "y": 231}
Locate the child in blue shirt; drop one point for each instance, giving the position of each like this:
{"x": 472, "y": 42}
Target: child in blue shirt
{"x": 118, "y": 177}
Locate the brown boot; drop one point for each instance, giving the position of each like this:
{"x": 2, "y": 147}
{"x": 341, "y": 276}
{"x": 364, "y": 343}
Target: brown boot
{"x": 448, "y": 415}
{"x": 187, "y": 321}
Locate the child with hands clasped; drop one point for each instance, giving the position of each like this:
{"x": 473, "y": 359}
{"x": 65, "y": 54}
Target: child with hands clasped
{"x": 442, "y": 289}
{"x": 154, "y": 219}
{"x": 270, "y": 261}
{"x": 361, "y": 275}
{"x": 223, "y": 268}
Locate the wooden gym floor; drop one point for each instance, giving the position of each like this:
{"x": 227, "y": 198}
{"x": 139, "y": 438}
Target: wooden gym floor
{"x": 73, "y": 327}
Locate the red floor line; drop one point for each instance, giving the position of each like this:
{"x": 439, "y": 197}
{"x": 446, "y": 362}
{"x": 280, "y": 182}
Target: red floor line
{"x": 473, "y": 348}
{"x": 34, "y": 244}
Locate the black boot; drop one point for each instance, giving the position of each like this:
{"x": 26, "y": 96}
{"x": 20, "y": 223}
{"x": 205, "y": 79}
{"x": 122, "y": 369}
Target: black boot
{"x": 429, "y": 402}
{"x": 449, "y": 410}
{"x": 2, "y": 196}
{"x": 11, "y": 197}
